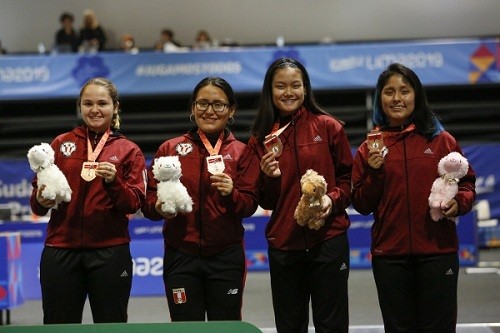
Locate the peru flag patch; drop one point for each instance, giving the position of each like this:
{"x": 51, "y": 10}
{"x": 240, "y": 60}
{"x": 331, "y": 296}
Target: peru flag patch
{"x": 179, "y": 295}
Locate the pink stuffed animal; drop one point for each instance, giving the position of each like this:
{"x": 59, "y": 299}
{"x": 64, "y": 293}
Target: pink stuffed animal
{"x": 451, "y": 168}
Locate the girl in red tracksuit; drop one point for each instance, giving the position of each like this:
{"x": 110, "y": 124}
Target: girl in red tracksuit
{"x": 87, "y": 250}
{"x": 414, "y": 259}
{"x": 204, "y": 266}
{"x": 306, "y": 265}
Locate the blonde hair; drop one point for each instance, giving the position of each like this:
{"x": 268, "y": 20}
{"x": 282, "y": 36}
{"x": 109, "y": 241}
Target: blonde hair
{"x": 113, "y": 93}
{"x": 91, "y": 14}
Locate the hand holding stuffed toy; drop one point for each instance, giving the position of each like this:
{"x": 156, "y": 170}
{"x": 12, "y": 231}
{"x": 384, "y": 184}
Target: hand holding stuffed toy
{"x": 313, "y": 188}
{"x": 174, "y": 195}
{"x": 41, "y": 159}
{"x": 451, "y": 168}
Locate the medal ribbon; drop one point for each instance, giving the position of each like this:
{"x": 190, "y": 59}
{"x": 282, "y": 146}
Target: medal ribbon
{"x": 276, "y": 125}
{"x": 212, "y": 150}
{"x": 276, "y": 130}
{"x": 92, "y": 155}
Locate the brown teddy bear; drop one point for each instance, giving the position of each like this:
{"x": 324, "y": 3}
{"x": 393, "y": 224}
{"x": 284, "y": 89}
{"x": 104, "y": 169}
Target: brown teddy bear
{"x": 313, "y": 188}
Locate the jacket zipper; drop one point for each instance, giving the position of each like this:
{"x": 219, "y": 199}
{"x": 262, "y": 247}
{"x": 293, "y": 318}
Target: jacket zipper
{"x": 407, "y": 194}
{"x": 299, "y": 176}
{"x": 198, "y": 213}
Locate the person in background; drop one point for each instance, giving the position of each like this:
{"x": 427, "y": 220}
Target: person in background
{"x": 127, "y": 44}
{"x": 2, "y": 49}
{"x": 66, "y": 39}
{"x": 202, "y": 41}
{"x": 87, "y": 251}
{"x": 204, "y": 266}
{"x": 306, "y": 265}
{"x": 414, "y": 259}
{"x": 167, "y": 42}
{"x": 92, "y": 35}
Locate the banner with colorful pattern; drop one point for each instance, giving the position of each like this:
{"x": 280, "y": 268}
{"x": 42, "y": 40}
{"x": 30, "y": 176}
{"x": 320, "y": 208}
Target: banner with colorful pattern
{"x": 338, "y": 66}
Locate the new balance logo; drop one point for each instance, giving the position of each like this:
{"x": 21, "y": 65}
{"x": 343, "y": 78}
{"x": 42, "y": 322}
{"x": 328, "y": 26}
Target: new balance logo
{"x": 232, "y": 291}
{"x": 449, "y": 272}
{"x": 124, "y": 274}
{"x": 343, "y": 267}
{"x": 318, "y": 138}
{"x": 428, "y": 151}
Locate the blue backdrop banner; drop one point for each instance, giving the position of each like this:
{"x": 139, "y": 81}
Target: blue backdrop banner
{"x": 437, "y": 62}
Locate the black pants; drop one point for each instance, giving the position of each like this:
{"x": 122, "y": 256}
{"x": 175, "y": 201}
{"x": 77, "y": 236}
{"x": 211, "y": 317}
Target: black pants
{"x": 417, "y": 293}
{"x": 319, "y": 275}
{"x": 209, "y": 286}
{"x": 68, "y": 276}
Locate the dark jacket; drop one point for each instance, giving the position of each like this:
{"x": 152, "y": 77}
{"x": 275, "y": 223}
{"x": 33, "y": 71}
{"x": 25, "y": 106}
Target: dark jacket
{"x": 67, "y": 42}
{"x": 97, "y": 215}
{"x": 311, "y": 141}
{"x": 215, "y": 224}
{"x": 87, "y": 34}
{"x": 397, "y": 194}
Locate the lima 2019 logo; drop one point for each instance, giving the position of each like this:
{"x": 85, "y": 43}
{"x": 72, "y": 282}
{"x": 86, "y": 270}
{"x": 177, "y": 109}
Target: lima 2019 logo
{"x": 485, "y": 63}
{"x": 89, "y": 67}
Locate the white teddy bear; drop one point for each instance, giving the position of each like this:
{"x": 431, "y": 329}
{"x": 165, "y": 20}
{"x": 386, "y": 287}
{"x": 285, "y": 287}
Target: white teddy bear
{"x": 167, "y": 170}
{"x": 41, "y": 159}
{"x": 451, "y": 168}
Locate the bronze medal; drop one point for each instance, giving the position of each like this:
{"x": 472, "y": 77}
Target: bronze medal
{"x": 375, "y": 140}
{"x": 88, "y": 171}
{"x": 88, "y": 168}
{"x": 273, "y": 143}
{"x": 215, "y": 164}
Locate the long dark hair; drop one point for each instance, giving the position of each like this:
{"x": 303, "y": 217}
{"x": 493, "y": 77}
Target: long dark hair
{"x": 425, "y": 120}
{"x": 267, "y": 112}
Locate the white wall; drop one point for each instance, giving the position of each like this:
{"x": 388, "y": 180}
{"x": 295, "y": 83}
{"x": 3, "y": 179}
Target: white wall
{"x": 25, "y": 23}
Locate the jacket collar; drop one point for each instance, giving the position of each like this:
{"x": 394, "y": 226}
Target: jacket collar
{"x": 193, "y": 135}
{"x": 398, "y": 131}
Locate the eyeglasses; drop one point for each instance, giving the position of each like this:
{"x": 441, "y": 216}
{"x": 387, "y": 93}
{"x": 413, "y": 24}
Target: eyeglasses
{"x": 218, "y": 107}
